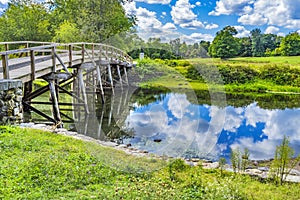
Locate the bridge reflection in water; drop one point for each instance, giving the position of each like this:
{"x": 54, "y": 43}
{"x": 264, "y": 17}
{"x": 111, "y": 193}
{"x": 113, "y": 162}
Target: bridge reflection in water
{"x": 105, "y": 122}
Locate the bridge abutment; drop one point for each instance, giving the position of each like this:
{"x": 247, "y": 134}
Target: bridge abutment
{"x": 11, "y": 92}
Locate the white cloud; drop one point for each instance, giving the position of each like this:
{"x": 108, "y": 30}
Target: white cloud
{"x": 198, "y": 3}
{"x": 242, "y": 31}
{"x": 227, "y": 7}
{"x": 197, "y": 37}
{"x": 155, "y": 1}
{"x": 164, "y": 13}
{"x": 272, "y": 29}
{"x": 211, "y": 26}
{"x": 183, "y": 15}
{"x": 169, "y": 26}
{"x": 192, "y": 25}
{"x": 4, "y": 1}
{"x": 253, "y": 19}
{"x": 148, "y": 24}
{"x": 178, "y": 104}
{"x": 283, "y": 13}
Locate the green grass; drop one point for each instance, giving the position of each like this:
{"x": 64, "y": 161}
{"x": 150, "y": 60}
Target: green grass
{"x": 175, "y": 74}
{"x": 292, "y": 60}
{"x": 43, "y": 165}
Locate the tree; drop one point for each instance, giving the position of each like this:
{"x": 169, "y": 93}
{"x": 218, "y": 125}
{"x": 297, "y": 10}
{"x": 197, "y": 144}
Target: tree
{"x": 257, "y": 43}
{"x": 66, "y": 33}
{"x": 24, "y": 20}
{"x": 246, "y": 47}
{"x": 290, "y": 45}
{"x": 224, "y": 44}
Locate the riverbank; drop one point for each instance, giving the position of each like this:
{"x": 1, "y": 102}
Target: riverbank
{"x": 40, "y": 164}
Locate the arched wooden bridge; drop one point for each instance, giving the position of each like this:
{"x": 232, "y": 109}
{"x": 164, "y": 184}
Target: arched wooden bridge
{"x": 60, "y": 65}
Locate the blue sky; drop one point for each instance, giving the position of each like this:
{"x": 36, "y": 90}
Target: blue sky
{"x": 195, "y": 20}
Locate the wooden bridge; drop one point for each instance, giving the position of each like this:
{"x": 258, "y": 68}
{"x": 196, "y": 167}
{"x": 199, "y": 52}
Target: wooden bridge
{"x": 61, "y": 65}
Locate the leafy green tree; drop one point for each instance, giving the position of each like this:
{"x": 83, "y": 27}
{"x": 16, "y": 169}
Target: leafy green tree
{"x": 66, "y": 33}
{"x": 25, "y": 20}
{"x": 246, "y": 47}
{"x": 224, "y": 44}
{"x": 96, "y": 20}
{"x": 257, "y": 43}
{"x": 290, "y": 45}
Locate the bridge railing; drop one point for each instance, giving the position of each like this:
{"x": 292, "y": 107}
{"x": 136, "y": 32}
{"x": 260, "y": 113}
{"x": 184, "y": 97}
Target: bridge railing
{"x": 44, "y": 57}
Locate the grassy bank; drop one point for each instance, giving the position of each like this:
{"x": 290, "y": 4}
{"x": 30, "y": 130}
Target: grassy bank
{"x": 238, "y": 75}
{"x": 42, "y": 165}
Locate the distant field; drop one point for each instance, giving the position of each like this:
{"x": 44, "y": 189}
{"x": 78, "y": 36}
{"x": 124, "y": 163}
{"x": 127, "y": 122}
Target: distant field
{"x": 256, "y": 62}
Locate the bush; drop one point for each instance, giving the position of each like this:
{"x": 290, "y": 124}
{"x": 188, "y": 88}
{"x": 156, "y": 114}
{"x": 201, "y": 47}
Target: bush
{"x": 281, "y": 75}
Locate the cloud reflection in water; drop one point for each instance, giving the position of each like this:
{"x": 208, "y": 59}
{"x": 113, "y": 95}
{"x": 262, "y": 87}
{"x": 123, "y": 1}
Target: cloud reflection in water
{"x": 184, "y": 129}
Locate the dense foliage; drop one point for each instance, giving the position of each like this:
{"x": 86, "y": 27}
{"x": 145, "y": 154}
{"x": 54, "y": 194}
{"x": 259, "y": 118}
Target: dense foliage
{"x": 64, "y": 20}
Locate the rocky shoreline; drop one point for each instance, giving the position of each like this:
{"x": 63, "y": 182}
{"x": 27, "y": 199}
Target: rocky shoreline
{"x": 255, "y": 169}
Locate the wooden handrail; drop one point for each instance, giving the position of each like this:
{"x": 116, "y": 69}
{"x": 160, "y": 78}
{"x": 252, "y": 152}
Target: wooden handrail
{"x": 58, "y": 51}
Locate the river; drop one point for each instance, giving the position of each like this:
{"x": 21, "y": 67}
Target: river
{"x": 178, "y": 125}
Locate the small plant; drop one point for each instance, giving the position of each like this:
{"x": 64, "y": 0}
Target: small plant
{"x": 239, "y": 161}
{"x": 245, "y": 159}
{"x": 222, "y": 162}
{"x": 283, "y": 162}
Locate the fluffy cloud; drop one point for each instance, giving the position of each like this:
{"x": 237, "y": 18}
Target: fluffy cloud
{"x": 253, "y": 19}
{"x": 227, "y": 7}
{"x": 148, "y": 25}
{"x": 183, "y": 15}
{"x": 197, "y": 37}
{"x": 283, "y": 13}
{"x": 211, "y": 26}
{"x": 272, "y": 29}
{"x": 4, "y": 1}
{"x": 155, "y": 1}
{"x": 242, "y": 31}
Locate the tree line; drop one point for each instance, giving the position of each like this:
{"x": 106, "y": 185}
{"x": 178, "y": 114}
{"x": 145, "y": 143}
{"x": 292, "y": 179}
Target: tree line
{"x": 225, "y": 45}
{"x": 64, "y": 20}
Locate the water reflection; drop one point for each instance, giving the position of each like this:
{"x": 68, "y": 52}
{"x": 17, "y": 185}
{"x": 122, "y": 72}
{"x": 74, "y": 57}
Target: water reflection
{"x": 169, "y": 124}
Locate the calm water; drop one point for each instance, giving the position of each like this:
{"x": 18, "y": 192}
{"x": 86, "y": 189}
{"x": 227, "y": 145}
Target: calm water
{"x": 169, "y": 124}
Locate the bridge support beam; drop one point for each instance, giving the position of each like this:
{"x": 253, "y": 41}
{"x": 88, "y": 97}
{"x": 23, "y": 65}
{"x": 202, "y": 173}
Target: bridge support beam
{"x": 55, "y": 107}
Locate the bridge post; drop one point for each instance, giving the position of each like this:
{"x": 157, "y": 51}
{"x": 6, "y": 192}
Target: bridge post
{"x": 5, "y": 66}
{"x": 32, "y": 64}
{"x": 70, "y": 55}
{"x": 53, "y": 59}
{"x": 6, "y": 48}
{"x": 26, "y": 108}
{"x": 82, "y": 52}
